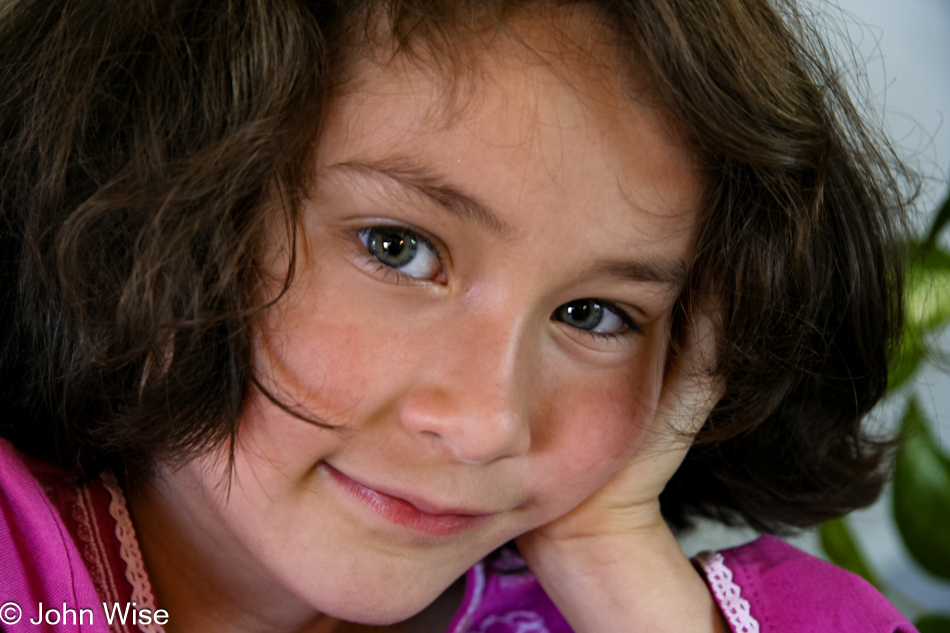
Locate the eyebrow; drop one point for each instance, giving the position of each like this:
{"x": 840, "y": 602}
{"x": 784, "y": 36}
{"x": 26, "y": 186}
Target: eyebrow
{"x": 431, "y": 185}
{"x": 668, "y": 272}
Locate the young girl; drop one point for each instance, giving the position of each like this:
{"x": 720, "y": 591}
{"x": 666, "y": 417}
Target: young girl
{"x": 312, "y": 308}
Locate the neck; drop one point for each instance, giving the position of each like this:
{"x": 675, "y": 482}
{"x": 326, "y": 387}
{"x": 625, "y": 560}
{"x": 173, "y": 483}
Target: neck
{"x": 205, "y": 581}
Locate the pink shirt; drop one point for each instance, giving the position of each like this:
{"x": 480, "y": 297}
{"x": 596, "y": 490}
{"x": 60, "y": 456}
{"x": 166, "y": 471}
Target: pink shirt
{"x": 38, "y": 560}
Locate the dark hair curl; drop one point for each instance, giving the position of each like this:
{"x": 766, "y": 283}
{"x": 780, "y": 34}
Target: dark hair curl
{"x": 141, "y": 144}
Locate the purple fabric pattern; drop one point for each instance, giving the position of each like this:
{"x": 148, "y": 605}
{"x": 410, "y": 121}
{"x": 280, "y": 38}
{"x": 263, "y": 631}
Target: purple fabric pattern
{"x": 503, "y": 596}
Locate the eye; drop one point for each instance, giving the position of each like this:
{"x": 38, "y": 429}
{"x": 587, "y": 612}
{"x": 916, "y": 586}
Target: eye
{"x": 402, "y": 250}
{"x": 596, "y": 317}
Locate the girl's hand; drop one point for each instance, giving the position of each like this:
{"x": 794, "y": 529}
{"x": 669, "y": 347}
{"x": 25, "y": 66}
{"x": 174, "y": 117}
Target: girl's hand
{"x": 612, "y": 563}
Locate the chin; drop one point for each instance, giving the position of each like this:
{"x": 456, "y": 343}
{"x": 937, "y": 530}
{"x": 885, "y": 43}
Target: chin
{"x": 375, "y": 594}
{"x": 382, "y": 610}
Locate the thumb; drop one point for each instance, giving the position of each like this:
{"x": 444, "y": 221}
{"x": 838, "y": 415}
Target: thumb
{"x": 690, "y": 390}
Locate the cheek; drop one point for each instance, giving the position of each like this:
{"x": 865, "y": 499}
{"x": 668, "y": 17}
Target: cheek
{"x": 602, "y": 434}
{"x": 592, "y": 429}
{"x": 327, "y": 355}
{"x": 317, "y": 363}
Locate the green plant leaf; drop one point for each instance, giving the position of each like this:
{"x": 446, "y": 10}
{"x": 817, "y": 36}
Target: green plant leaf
{"x": 933, "y": 624}
{"x": 928, "y": 290}
{"x": 940, "y": 220}
{"x": 929, "y": 256}
{"x": 922, "y": 495}
{"x": 905, "y": 363}
{"x": 843, "y": 550}
{"x": 926, "y": 309}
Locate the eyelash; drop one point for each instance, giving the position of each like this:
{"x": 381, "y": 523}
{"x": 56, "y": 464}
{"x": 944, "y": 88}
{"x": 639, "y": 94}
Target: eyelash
{"x": 631, "y": 327}
{"x": 390, "y": 274}
{"x": 393, "y": 275}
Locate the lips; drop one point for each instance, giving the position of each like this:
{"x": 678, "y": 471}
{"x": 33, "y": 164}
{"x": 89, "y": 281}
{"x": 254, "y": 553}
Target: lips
{"x": 418, "y": 514}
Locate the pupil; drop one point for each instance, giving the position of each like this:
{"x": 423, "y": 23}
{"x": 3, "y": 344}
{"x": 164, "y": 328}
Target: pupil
{"x": 585, "y": 314}
{"x": 392, "y": 247}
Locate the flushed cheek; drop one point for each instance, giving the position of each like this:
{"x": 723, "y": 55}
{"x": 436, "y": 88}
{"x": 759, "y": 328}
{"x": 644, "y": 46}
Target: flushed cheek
{"x": 589, "y": 441}
{"x": 326, "y": 360}
{"x": 331, "y": 376}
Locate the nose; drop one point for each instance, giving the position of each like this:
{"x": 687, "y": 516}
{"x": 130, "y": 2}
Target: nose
{"x": 474, "y": 396}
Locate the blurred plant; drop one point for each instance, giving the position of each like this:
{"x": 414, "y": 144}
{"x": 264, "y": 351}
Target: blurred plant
{"x": 921, "y": 487}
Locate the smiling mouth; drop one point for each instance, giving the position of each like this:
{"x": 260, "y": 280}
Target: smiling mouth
{"x": 402, "y": 512}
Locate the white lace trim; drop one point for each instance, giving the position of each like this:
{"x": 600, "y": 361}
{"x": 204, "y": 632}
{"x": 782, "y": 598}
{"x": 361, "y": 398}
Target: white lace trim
{"x": 728, "y": 594}
{"x": 129, "y": 551}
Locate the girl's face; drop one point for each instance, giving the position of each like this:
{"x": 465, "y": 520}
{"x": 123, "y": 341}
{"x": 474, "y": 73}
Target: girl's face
{"x": 480, "y": 317}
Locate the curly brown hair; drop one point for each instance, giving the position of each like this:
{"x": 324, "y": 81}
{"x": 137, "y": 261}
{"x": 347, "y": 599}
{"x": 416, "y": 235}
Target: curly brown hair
{"x": 141, "y": 141}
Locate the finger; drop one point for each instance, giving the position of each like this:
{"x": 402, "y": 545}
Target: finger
{"x": 691, "y": 387}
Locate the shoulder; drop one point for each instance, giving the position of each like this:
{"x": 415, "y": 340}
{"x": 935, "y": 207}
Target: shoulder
{"x": 784, "y": 589}
{"x": 40, "y": 563}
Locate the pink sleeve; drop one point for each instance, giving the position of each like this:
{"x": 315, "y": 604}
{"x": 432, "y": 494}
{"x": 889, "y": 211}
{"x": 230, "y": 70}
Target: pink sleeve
{"x": 793, "y": 592}
{"x": 38, "y": 560}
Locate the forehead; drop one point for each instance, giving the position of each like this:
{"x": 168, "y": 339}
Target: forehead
{"x": 550, "y": 87}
